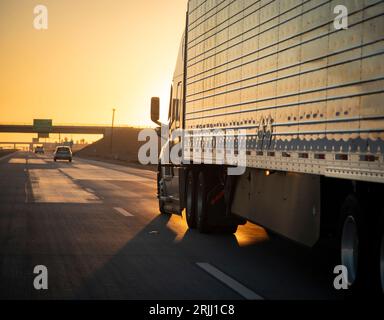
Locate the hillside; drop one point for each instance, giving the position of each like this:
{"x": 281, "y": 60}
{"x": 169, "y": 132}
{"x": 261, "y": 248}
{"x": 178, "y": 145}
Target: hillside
{"x": 125, "y": 147}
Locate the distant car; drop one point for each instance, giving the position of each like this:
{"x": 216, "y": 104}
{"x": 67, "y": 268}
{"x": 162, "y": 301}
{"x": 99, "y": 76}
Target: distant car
{"x": 39, "y": 149}
{"x": 62, "y": 153}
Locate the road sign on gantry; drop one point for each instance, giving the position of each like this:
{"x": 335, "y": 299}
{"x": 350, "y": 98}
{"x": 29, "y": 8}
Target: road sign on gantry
{"x": 43, "y": 135}
{"x": 42, "y": 125}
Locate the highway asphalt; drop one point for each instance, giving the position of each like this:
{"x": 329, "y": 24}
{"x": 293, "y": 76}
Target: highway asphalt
{"x": 97, "y": 229}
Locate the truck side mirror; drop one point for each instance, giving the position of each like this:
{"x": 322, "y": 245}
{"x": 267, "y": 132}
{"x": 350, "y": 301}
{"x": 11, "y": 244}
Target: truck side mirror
{"x": 155, "y": 110}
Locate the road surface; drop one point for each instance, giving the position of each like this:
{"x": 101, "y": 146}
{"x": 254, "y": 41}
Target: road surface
{"x": 96, "y": 228}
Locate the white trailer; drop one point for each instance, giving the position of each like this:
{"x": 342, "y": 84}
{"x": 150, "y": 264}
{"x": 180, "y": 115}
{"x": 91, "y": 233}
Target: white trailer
{"x": 300, "y": 83}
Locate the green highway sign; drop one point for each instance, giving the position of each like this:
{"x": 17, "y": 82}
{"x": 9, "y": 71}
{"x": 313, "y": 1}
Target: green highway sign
{"x": 43, "y": 135}
{"x": 42, "y": 125}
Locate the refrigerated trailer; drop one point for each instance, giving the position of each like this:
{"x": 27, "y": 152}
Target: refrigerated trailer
{"x": 299, "y": 85}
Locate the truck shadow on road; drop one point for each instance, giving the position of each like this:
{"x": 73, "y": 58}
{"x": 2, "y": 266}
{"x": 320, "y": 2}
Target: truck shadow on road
{"x": 159, "y": 262}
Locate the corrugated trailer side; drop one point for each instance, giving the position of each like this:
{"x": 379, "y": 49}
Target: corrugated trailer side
{"x": 309, "y": 96}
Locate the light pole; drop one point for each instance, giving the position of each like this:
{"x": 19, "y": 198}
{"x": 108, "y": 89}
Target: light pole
{"x": 113, "y": 121}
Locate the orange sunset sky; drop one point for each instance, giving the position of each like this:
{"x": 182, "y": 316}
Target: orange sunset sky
{"x": 95, "y": 55}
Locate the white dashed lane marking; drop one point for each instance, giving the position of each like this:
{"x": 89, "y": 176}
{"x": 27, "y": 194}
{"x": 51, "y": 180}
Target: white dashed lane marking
{"x": 228, "y": 281}
{"x": 36, "y": 161}
{"x": 123, "y": 212}
{"x": 17, "y": 161}
{"x": 7, "y": 156}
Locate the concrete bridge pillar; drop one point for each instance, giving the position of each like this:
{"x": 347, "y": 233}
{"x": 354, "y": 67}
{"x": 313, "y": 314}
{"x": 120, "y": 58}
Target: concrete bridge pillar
{"x": 107, "y": 132}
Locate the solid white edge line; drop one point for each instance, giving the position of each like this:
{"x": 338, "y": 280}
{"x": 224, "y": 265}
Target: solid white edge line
{"x": 123, "y": 212}
{"x": 113, "y": 166}
{"x": 7, "y": 156}
{"x": 231, "y": 283}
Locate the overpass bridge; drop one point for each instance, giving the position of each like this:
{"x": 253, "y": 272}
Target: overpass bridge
{"x": 14, "y": 144}
{"x": 62, "y": 129}
{"x": 47, "y": 145}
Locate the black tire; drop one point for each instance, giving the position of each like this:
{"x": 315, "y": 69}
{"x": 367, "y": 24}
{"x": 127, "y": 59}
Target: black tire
{"x": 356, "y": 244}
{"x": 161, "y": 202}
{"x": 190, "y": 212}
{"x": 70, "y": 160}
{"x": 161, "y": 207}
{"x": 230, "y": 229}
{"x": 54, "y": 160}
{"x": 201, "y": 204}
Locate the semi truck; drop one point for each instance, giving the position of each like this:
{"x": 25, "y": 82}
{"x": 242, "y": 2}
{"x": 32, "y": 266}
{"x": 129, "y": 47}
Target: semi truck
{"x": 299, "y": 85}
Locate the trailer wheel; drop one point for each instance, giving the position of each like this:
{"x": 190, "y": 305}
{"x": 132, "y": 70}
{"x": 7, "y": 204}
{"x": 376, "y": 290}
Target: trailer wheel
{"x": 358, "y": 247}
{"x": 190, "y": 203}
{"x": 350, "y": 247}
{"x": 202, "y": 205}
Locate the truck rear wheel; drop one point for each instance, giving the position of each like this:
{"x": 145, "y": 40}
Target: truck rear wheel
{"x": 202, "y": 205}
{"x": 190, "y": 213}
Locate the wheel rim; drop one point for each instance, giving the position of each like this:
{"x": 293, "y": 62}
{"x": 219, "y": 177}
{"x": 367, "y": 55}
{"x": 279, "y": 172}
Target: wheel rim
{"x": 382, "y": 261}
{"x": 349, "y": 248}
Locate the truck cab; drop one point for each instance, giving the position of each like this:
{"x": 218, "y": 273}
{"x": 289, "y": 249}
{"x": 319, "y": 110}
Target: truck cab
{"x": 169, "y": 174}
